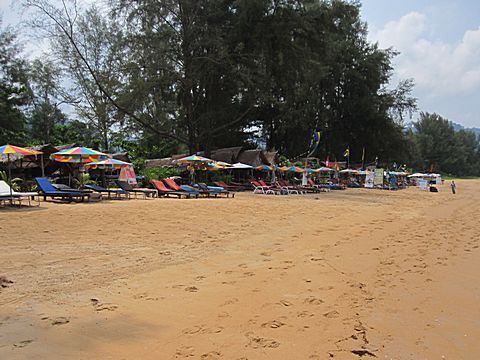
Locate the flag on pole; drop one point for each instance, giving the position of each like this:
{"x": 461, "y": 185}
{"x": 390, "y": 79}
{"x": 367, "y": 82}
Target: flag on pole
{"x": 347, "y": 152}
{"x": 317, "y": 138}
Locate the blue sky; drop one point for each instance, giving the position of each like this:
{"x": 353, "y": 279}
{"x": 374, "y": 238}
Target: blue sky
{"x": 439, "y": 44}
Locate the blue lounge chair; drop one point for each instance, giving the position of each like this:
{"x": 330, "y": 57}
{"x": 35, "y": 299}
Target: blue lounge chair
{"x": 109, "y": 192}
{"x": 191, "y": 190}
{"x": 47, "y": 190}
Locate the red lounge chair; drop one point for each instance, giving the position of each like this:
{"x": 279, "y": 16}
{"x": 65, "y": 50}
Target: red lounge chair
{"x": 264, "y": 189}
{"x": 228, "y": 187}
{"x": 172, "y": 184}
{"x": 163, "y": 190}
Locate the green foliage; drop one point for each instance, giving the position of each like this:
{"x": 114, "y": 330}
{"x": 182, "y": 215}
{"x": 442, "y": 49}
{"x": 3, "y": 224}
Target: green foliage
{"x": 162, "y": 77}
{"x": 15, "y": 183}
{"x": 83, "y": 179}
{"x": 158, "y": 173}
{"x": 439, "y": 148}
{"x": 13, "y": 89}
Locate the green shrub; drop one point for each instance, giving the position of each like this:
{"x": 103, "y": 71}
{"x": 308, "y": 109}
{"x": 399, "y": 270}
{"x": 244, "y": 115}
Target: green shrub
{"x": 158, "y": 173}
{"x": 15, "y": 183}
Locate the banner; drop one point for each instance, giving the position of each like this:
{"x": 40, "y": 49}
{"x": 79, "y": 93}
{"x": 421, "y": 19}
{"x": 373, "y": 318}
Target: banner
{"x": 128, "y": 174}
{"x": 369, "y": 179}
{"x": 422, "y": 184}
{"x": 378, "y": 177}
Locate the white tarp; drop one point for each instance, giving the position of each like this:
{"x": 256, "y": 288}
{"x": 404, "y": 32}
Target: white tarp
{"x": 422, "y": 184}
{"x": 369, "y": 179}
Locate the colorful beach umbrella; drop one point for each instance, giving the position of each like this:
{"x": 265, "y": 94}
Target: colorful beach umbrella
{"x": 15, "y": 150}
{"x": 78, "y": 155}
{"x": 325, "y": 169}
{"x": 108, "y": 163}
{"x": 264, "y": 168}
{"x": 295, "y": 169}
{"x": 194, "y": 159}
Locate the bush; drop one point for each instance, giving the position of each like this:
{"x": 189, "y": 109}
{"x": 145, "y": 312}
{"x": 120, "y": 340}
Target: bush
{"x": 159, "y": 173}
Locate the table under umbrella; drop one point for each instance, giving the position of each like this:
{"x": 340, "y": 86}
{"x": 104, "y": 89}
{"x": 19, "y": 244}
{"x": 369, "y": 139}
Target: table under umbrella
{"x": 78, "y": 155}
{"x": 194, "y": 160}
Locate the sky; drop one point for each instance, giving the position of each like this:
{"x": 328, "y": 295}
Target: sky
{"x": 439, "y": 46}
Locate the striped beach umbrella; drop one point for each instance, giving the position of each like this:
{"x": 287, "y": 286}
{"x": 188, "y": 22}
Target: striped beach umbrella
{"x": 15, "y": 150}
{"x": 295, "y": 169}
{"x": 264, "y": 168}
{"x": 325, "y": 169}
{"x": 78, "y": 155}
{"x": 108, "y": 163}
{"x": 194, "y": 159}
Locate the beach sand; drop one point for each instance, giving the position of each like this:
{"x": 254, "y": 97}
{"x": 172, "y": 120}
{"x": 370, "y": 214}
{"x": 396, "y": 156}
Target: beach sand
{"x": 344, "y": 275}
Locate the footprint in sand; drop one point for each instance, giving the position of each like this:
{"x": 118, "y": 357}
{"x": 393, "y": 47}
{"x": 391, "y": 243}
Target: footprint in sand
{"x": 230, "y": 302}
{"x": 102, "y": 306}
{"x": 257, "y": 342}
{"x": 275, "y": 324}
{"x": 191, "y": 289}
{"x": 332, "y": 314}
{"x": 312, "y": 300}
{"x": 212, "y": 355}
{"x": 285, "y": 303}
{"x": 184, "y": 352}
{"x": 60, "y": 321}
{"x": 304, "y": 314}
{"x": 22, "y": 343}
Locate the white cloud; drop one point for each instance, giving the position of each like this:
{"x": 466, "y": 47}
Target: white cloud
{"x": 439, "y": 68}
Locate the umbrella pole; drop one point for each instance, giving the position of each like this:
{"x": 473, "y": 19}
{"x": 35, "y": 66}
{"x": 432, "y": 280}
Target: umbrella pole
{"x": 10, "y": 178}
{"x": 42, "y": 165}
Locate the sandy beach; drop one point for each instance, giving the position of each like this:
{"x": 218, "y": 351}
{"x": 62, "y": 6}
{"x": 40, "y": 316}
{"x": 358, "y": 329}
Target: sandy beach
{"x": 344, "y": 275}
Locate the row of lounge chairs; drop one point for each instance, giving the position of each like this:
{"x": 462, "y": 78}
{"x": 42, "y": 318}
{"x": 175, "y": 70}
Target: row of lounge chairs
{"x": 283, "y": 187}
{"x": 161, "y": 188}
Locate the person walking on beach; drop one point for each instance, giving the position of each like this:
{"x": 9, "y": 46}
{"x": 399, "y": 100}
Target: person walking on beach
{"x": 453, "y": 186}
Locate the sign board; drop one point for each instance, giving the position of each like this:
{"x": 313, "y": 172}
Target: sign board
{"x": 128, "y": 174}
{"x": 422, "y": 184}
{"x": 378, "y": 177}
{"x": 369, "y": 179}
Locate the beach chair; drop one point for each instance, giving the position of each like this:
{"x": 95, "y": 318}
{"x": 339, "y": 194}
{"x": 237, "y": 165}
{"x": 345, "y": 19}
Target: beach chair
{"x": 4, "y": 199}
{"x": 145, "y": 192}
{"x": 229, "y": 187}
{"x": 5, "y": 190}
{"x": 321, "y": 187}
{"x": 163, "y": 190}
{"x": 47, "y": 190}
{"x": 261, "y": 189}
{"x": 192, "y": 190}
{"x": 278, "y": 189}
{"x": 218, "y": 190}
{"x": 184, "y": 188}
{"x": 117, "y": 192}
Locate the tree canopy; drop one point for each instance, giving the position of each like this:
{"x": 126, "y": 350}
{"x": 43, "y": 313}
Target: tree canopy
{"x": 165, "y": 76}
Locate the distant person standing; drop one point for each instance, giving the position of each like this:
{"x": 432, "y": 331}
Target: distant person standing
{"x": 453, "y": 186}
